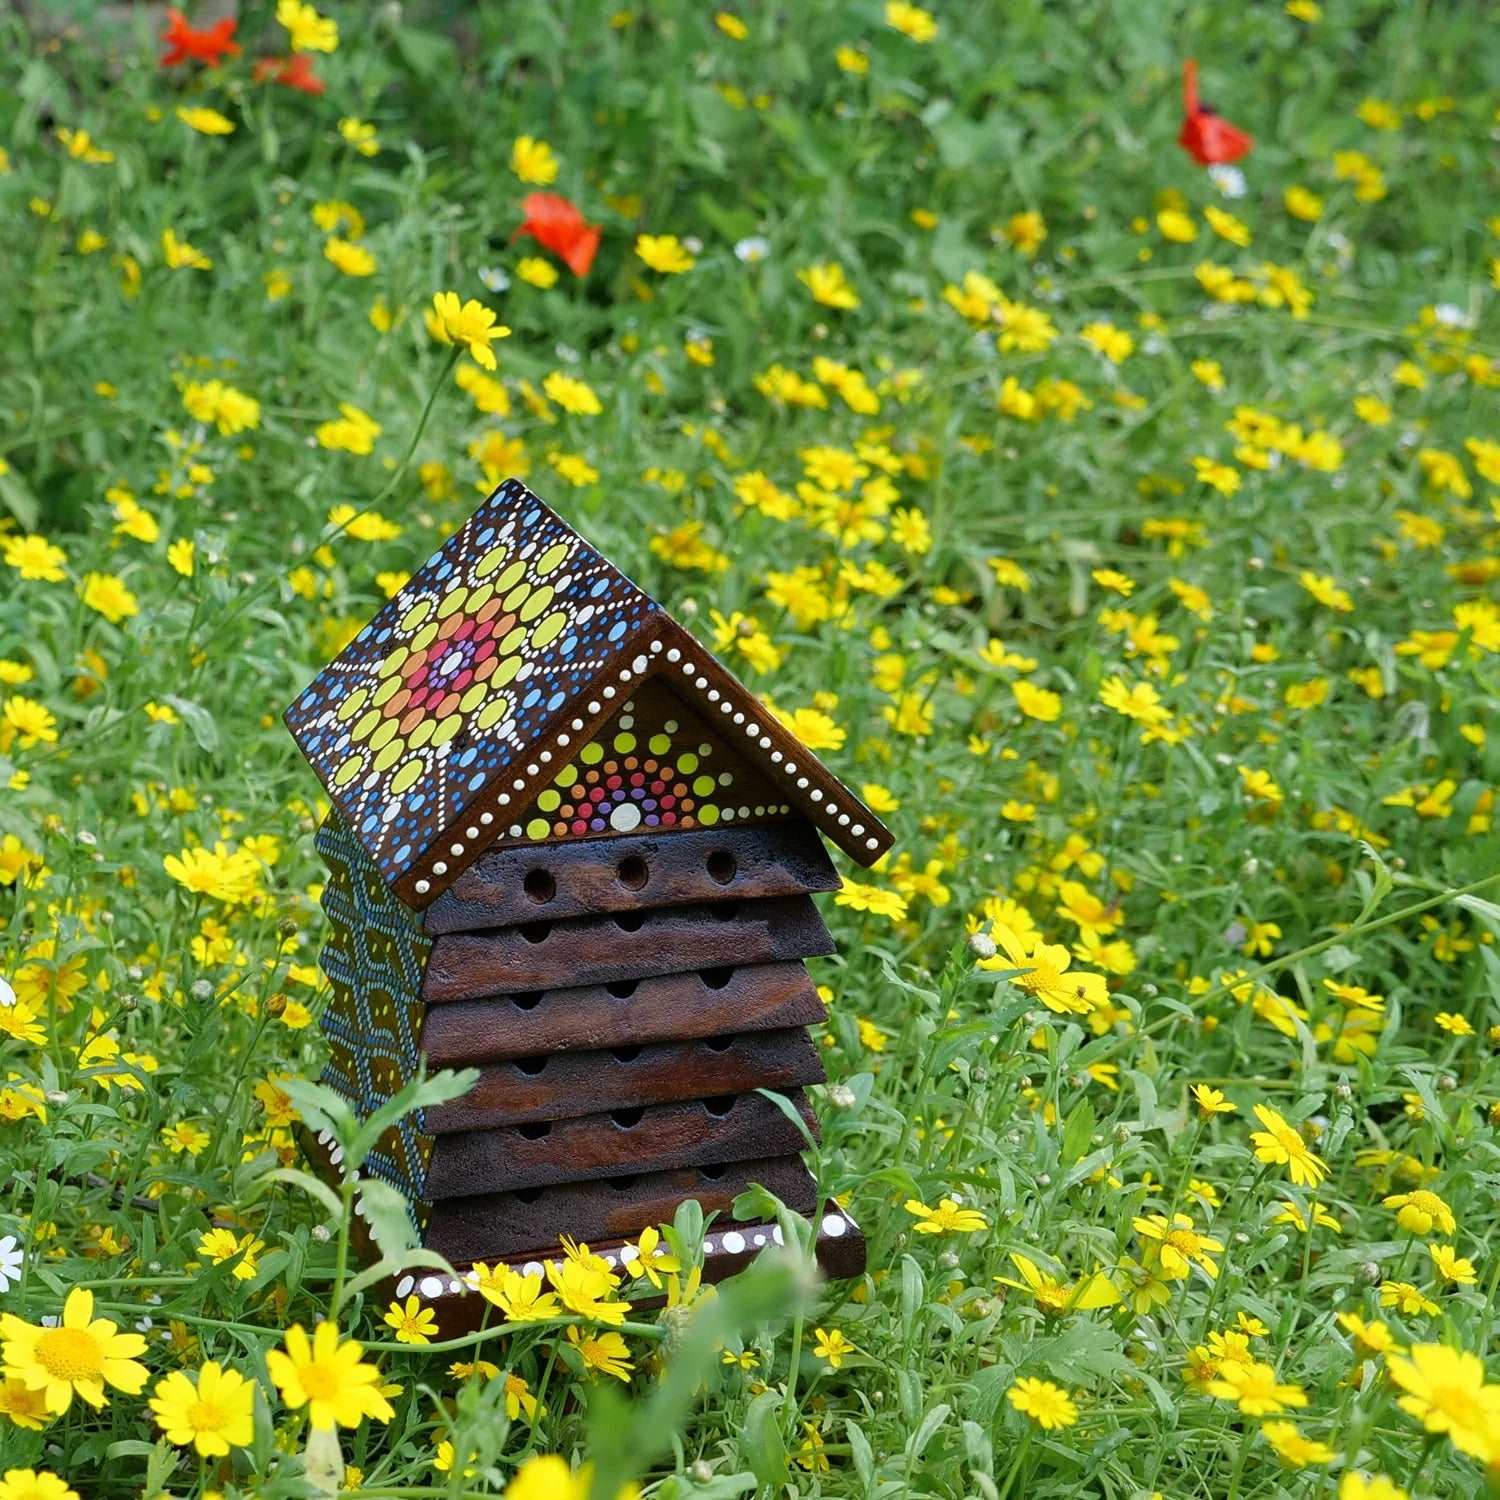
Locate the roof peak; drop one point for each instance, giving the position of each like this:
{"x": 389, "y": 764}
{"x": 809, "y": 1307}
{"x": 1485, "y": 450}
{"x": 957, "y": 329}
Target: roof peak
{"x": 503, "y": 654}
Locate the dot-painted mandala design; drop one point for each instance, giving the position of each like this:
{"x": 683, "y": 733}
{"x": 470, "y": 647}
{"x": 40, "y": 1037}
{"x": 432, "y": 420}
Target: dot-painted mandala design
{"x": 461, "y": 671}
{"x": 654, "y": 766}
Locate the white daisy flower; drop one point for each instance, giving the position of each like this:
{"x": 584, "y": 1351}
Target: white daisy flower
{"x": 12, "y": 1257}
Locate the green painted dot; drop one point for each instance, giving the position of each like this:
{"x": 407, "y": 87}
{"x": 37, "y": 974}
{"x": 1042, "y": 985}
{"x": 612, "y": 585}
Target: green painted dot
{"x": 703, "y": 785}
{"x": 407, "y": 776}
{"x": 708, "y": 815}
{"x": 591, "y": 755}
{"x": 549, "y": 801}
{"x": 567, "y": 775}
{"x": 624, "y": 743}
{"x": 687, "y": 764}
{"x": 659, "y": 744}
{"x": 538, "y": 828}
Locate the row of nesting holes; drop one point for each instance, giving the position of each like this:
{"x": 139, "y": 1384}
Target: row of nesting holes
{"x": 531, "y": 1066}
{"x": 627, "y": 1119}
{"x": 632, "y": 872}
{"x": 623, "y": 989}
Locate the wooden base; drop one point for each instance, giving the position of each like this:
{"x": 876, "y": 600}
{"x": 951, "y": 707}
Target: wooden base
{"x": 727, "y": 1249}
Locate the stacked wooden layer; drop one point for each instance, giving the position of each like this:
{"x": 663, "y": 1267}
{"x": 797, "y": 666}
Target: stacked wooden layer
{"x": 624, "y": 998}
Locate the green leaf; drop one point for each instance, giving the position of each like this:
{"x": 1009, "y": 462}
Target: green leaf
{"x": 199, "y": 721}
{"x": 16, "y": 497}
{"x": 388, "y": 1214}
{"x": 764, "y": 1446}
{"x": 1078, "y": 1131}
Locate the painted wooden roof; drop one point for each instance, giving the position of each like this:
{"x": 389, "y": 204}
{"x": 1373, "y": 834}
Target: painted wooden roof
{"x": 460, "y": 700}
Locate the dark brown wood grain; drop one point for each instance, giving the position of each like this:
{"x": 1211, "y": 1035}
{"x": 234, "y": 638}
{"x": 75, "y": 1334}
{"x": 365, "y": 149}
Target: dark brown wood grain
{"x": 628, "y": 872}
{"x": 508, "y": 1224}
{"x": 629, "y": 1012}
{"x": 628, "y": 945}
{"x": 565, "y": 1085}
{"x": 656, "y": 1138}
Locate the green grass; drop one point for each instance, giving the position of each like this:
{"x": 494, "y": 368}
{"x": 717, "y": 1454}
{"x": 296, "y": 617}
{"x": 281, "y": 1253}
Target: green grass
{"x": 1316, "y": 806}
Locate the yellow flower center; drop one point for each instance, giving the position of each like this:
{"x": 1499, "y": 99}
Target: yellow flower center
{"x": 320, "y": 1380}
{"x": 204, "y": 1416}
{"x": 1458, "y": 1404}
{"x": 70, "y": 1354}
{"x": 1184, "y": 1241}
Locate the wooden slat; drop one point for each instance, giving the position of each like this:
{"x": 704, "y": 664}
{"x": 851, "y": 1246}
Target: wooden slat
{"x": 629, "y": 872}
{"x": 507, "y": 1224}
{"x": 665, "y": 1008}
{"x": 628, "y": 945}
{"x": 565, "y": 1085}
{"x": 657, "y": 1138}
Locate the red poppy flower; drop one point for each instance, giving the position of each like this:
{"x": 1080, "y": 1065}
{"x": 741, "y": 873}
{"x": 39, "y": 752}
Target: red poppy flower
{"x": 558, "y": 226}
{"x": 1206, "y": 135}
{"x": 211, "y": 46}
{"x": 296, "y": 72}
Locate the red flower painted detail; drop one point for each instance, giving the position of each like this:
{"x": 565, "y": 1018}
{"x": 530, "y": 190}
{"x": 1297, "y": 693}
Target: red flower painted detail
{"x": 560, "y": 227}
{"x": 1206, "y": 135}
{"x": 210, "y": 46}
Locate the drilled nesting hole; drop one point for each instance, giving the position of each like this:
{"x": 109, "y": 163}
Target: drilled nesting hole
{"x": 535, "y": 1130}
{"x": 721, "y": 866}
{"x": 716, "y": 978}
{"x": 719, "y": 1043}
{"x": 531, "y": 1065}
{"x": 622, "y": 989}
{"x": 539, "y": 885}
{"x": 630, "y": 921}
{"x": 529, "y": 1001}
{"x": 622, "y": 1184}
{"x": 627, "y": 1119}
{"x": 720, "y": 1104}
{"x": 712, "y": 1173}
{"x": 632, "y": 872}
{"x": 626, "y": 1054}
{"x": 725, "y": 911}
{"x": 528, "y": 1195}
{"x": 536, "y": 932}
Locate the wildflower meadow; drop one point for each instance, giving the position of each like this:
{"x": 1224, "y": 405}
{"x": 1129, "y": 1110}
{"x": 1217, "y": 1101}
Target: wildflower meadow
{"x": 1077, "y": 423}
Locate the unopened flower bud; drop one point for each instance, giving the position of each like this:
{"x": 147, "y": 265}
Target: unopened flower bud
{"x": 1447, "y": 1083}
{"x": 286, "y": 928}
{"x": 57, "y": 1097}
{"x": 1370, "y": 1272}
{"x": 702, "y": 1471}
{"x": 982, "y": 945}
{"x": 841, "y": 1096}
{"x": 202, "y": 989}
{"x": 321, "y": 1233}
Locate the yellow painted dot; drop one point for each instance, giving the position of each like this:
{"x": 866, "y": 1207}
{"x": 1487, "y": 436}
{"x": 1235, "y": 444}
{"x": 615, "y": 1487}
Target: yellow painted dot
{"x": 352, "y": 705}
{"x": 549, "y": 801}
{"x": 474, "y": 696}
{"x": 385, "y": 731}
{"x": 447, "y": 729}
{"x": 550, "y": 559}
{"x": 537, "y": 828}
{"x": 505, "y": 671}
{"x": 537, "y": 602}
{"x": 348, "y": 770}
{"x": 517, "y": 596}
{"x": 490, "y": 561}
{"x": 389, "y": 755}
{"x": 425, "y": 636}
{"x": 407, "y": 776}
{"x": 591, "y": 755}
{"x": 422, "y": 733}
{"x": 708, "y": 815}
{"x": 416, "y": 614}
{"x": 507, "y": 579}
{"x": 659, "y": 744}
{"x": 492, "y": 713}
{"x": 386, "y": 691}
{"x": 687, "y": 764}
{"x": 624, "y": 743}
{"x": 513, "y": 642}
{"x": 453, "y": 602}
{"x": 550, "y": 628}
{"x": 393, "y": 663}
{"x": 703, "y": 785}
